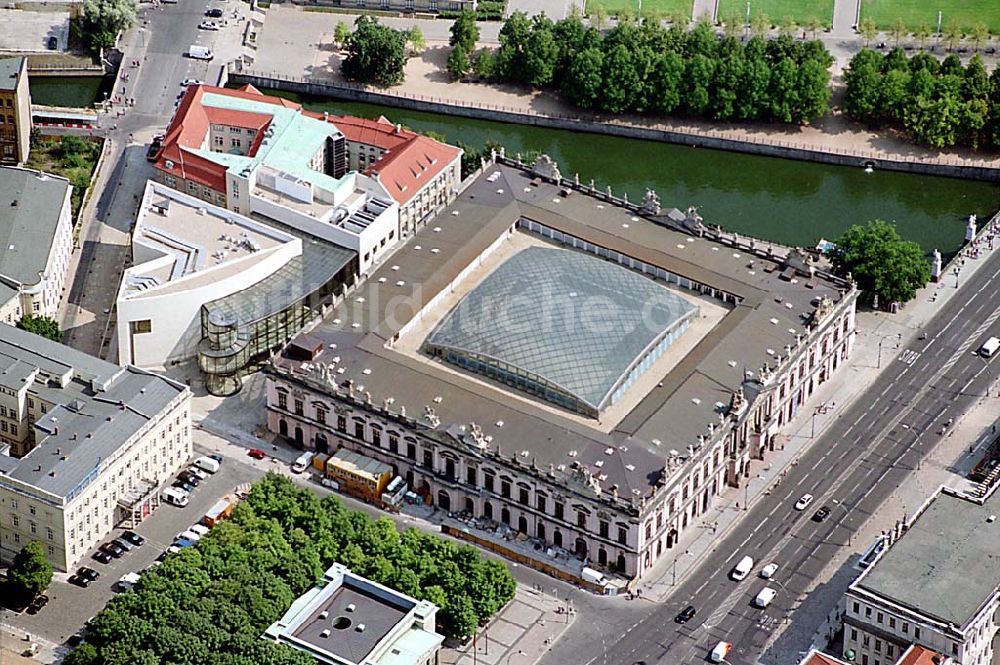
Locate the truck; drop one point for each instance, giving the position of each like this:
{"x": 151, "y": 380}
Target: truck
{"x": 200, "y": 52}
{"x": 218, "y": 512}
{"x": 177, "y": 497}
{"x": 302, "y": 462}
{"x": 395, "y": 491}
{"x": 989, "y": 347}
{"x": 719, "y": 653}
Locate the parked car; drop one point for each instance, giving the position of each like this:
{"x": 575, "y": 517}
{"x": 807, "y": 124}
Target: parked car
{"x": 134, "y": 538}
{"x": 821, "y": 514}
{"x": 214, "y": 12}
{"x": 182, "y": 485}
{"x": 187, "y": 82}
{"x": 804, "y": 502}
{"x": 113, "y": 549}
{"x": 74, "y": 640}
{"x": 88, "y": 573}
{"x": 37, "y": 604}
{"x": 52, "y": 43}
{"x": 124, "y": 544}
{"x": 207, "y": 464}
{"x": 256, "y": 453}
{"x": 101, "y": 556}
{"x": 154, "y": 149}
{"x": 199, "y": 529}
{"x": 79, "y": 581}
{"x": 208, "y": 25}
{"x": 189, "y": 478}
{"x": 195, "y": 471}
{"x": 183, "y": 542}
{"x": 217, "y": 458}
{"x": 686, "y": 614}
{"x": 188, "y": 535}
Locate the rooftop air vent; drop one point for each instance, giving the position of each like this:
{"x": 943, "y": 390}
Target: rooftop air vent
{"x": 351, "y": 607}
{"x": 325, "y": 633}
{"x": 360, "y": 628}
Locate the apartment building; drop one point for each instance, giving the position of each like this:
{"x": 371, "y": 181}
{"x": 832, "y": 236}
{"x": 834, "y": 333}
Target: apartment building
{"x": 937, "y": 585}
{"x": 36, "y": 242}
{"x": 90, "y": 444}
{"x": 15, "y": 111}
{"x": 509, "y": 416}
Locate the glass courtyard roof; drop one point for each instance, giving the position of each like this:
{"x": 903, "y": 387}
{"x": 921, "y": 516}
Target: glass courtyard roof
{"x": 555, "y": 319}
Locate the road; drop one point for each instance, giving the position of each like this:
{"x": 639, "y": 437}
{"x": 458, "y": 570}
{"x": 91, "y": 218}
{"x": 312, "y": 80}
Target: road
{"x": 163, "y": 36}
{"x": 852, "y": 468}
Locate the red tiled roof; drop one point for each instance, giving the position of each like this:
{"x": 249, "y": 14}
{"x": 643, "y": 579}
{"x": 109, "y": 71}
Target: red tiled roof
{"x": 817, "y": 658}
{"x": 918, "y": 655}
{"x": 410, "y": 160}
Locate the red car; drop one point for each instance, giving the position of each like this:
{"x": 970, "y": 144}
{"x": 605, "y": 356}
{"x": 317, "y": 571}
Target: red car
{"x": 256, "y": 453}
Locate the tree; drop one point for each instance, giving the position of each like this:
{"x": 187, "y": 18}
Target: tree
{"x": 85, "y": 654}
{"x": 415, "y": 38}
{"x": 980, "y": 33}
{"x": 375, "y": 53}
{"x": 513, "y": 40}
{"x": 484, "y": 65}
{"x": 102, "y": 20}
{"x": 621, "y": 81}
{"x": 458, "y": 63}
{"x": 760, "y": 24}
{"x": 540, "y": 57}
{"x": 881, "y": 262}
{"x": 45, "y": 326}
{"x": 788, "y": 26}
{"x": 863, "y": 77}
{"x": 30, "y": 573}
{"x": 898, "y": 30}
{"x": 953, "y": 34}
{"x": 814, "y": 25}
{"x": 868, "y": 30}
{"x": 599, "y": 17}
{"x": 341, "y": 33}
{"x": 814, "y": 91}
{"x": 465, "y": 31}
{"x": 922, "y": 32}
{"x": 698, "y": 76}
{"x": 732, "y": 25}
{"x": 584, "y": 80}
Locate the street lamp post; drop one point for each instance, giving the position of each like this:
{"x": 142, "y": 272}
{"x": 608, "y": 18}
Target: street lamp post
{"x": 846, "y": 513}
{"x": 898, "y": 336}
{"x": 748, "y": 20}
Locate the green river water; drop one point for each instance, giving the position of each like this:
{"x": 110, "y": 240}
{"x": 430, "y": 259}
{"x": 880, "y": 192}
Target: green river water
{"x": 788, "y": 201}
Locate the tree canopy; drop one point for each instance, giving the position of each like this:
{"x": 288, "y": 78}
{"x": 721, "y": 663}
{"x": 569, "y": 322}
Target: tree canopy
{"x": 881, "y": 262}
{"x": 375, "y": 53}
{"x": 45, "y": 326}
{"x": 30, "y": 573}
{"x": 465, "y": 31}
{"x": 939, "y": 105}
{"x": 102, "y": 20}
{"x": 209, "y": 604}
{"x": 649, "y": 69}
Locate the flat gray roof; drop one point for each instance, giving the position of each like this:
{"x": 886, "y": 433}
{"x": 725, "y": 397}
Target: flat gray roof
{"x": 376, "y": 616}
{"x": 570, "y": 319}
{"x": 30, "y": 205}
{"x": 92, "y": 419}
{"x": 774, "y": 307}
{"x": 9, "y": 67}
{"x": 946, "y": 565}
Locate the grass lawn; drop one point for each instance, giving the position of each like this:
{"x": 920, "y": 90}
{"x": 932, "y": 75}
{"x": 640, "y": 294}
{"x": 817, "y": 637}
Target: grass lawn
{"x": 915, "y": 12}
{"x": 663, "y": 8}
{"x": 801, "y": 11}
{"x": 75, "y": 164}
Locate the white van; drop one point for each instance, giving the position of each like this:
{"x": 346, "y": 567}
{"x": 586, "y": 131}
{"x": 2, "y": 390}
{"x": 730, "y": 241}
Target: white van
{"x": 989, "y": 347}
{"x": 720, "y": 652}
{"x": 765, "y": 597}
{"x": 303, "y": 462}
{"x": 128, "y": 581}
{"x": 199, "y": 529}
{"x": 206, "y": 464}
{"x": 175, "y": 496}
{"x": 200, "y": 52}
{"x": 742, "y": 569}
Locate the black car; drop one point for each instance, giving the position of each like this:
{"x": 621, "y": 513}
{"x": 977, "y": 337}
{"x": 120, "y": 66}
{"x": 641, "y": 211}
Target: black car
{"x": 154, "y": 149}
{"x": 80, "y": 581}
{"x": 74, "y": 640}
{"x": 134, "y": 538}
{"x": 821, "y": 514}
{"x": 217, "y": 458}
{"x": 686, "y": 614}
{"x": 214, "y": 12}
{"x": 180, "y": 484}
{"x": 89, "y": 573}
{"x": 101, "y": 556}
{"x": 52, "y": 43}
{"x": 189, "y": 478}
{"x": 37, "y": 604}
{"x": 113, "y": 548}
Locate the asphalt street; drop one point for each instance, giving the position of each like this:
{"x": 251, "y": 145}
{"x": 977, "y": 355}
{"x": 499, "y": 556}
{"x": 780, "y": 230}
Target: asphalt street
{"x": 852, "y": 467}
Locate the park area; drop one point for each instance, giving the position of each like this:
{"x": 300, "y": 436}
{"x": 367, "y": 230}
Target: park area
{"x": 661, "y": 8}
{"x": 802, "y": 12}
{"x": 966, "y": 13}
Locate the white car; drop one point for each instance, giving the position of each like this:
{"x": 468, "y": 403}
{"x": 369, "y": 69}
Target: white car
{"x": 199, "y": 529}
{"x": 188, "y": 535}
{"x": 187, "y": 82}
{"x": 804, "y": 502}
{"x": 767, "y": 572}
{"x": 208, "y": 25}
{"x": 193, "y": 470}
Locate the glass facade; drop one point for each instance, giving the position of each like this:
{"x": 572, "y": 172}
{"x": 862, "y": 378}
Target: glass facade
{"x": 241, "y": 330}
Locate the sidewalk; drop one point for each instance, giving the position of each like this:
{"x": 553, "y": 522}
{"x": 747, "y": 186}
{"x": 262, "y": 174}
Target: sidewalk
{"x": 866, "y": 363}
